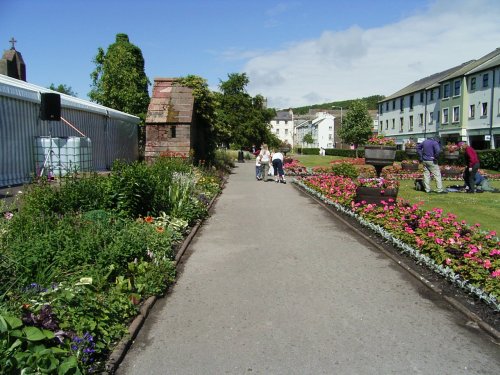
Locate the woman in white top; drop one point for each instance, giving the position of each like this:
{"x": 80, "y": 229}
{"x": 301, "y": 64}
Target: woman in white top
{"x": 265, "y": 160}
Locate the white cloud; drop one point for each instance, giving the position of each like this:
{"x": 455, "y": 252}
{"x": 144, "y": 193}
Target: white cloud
{"x": 358, "y": 62}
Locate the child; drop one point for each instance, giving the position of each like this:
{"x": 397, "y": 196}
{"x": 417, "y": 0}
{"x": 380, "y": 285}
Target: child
{"x": 258, "y": 172}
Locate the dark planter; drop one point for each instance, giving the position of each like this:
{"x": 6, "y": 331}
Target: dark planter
{"x": 451, "y": 155}
{"x": 374, "y": 195}
{"x": 409, "y": 167}
{"x": 451, "y": 174}
{"x": 379, "y": 155}
{"x": 411, "y": 151}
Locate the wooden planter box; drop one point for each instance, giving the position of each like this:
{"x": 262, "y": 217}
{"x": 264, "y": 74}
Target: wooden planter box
{"x": 451, "y": 174}
{"x": 374, "y": 195}
{"x": 409, "y": 167}
{"x": 380, "y": 155}
{"x": 411, "y": 151}
{"x": 451, "y": 155}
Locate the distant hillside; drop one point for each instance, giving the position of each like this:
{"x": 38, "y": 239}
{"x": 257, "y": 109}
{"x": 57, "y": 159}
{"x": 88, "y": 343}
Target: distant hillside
{"x": 371, "y": 103}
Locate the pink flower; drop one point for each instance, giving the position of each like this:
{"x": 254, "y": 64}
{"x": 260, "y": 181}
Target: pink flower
{"x": 431, "y": 234}
{"x": 439, "y": 241}
{"x": 487, "y": 264}
{"x": 495, "y": 273}
{"x": 448, "y": 261}
{"x": 494, "y": 252}
{"x": 419, "y": 241}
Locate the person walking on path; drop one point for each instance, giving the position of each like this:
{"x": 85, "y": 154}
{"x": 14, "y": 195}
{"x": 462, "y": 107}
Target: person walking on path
{"x": 258, "y": 173}
{"x": 277, "y": 161}
{"x": 265, "y": 160}
{"x": 471, "y": 166}
{"x": 428, "y": 152}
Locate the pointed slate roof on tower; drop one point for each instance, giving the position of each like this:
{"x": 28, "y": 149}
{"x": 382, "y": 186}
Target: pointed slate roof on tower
{"x": 12, "y": 63}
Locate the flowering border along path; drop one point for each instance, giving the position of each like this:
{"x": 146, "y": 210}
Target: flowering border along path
{"x": 464, "y": 255}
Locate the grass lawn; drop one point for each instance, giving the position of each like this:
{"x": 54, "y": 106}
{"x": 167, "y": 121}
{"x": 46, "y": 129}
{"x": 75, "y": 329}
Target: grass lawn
{"x": 310, "y": 161}
{"x": 481, "y": 208}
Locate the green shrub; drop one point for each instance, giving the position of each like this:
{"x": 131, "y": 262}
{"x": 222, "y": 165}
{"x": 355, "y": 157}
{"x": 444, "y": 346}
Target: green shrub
{"x": 309, "y": 151}
{"x": 490, "y": 159}
{"x": 345, "y": 170}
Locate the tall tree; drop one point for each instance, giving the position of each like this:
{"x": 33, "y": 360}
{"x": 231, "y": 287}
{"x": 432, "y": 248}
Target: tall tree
{"x": 63, "y": 89}
{"x": 242, "y": 120}
{"x": 357, "y": 125}
{"x": 119, "y": 80}
{"x": 205, "y": 113}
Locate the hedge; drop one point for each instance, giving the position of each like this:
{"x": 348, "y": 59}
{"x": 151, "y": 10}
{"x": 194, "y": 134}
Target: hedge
{"x": 490, "y": 159}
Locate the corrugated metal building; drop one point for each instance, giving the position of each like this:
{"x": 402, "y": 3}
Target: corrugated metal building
{"x": 113, "y": 134}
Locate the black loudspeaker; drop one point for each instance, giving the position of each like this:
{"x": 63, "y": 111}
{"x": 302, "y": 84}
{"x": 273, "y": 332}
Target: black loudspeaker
{"x": 50, "y": 106}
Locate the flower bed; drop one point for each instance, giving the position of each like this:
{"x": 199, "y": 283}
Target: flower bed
{"x": 98, "y": 247}
{"x": 463, "y": 254}
{"x": 294, "y": 168}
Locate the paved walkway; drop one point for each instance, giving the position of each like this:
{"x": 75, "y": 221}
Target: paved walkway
{"x": 273, "y": 284}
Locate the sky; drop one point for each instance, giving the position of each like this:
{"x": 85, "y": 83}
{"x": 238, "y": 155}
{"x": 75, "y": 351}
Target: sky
{"x": 295, "y": 53}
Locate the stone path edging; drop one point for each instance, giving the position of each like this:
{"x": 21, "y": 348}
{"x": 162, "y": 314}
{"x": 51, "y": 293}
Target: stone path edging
{"x": 455, "y": 303}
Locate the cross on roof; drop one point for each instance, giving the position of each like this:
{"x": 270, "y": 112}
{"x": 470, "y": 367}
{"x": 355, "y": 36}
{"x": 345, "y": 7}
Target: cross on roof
{"x": 13, "y": 42}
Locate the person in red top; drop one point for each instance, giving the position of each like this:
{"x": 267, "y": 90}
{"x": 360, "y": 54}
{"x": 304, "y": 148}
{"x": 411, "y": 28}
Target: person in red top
{"x": 471, "y": 166}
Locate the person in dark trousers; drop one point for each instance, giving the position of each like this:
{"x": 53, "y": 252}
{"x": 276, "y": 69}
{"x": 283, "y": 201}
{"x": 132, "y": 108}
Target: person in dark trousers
{"x": 471, "y": 166}
{"x": 428, "y": 152}
{"x": 277, "y": 160}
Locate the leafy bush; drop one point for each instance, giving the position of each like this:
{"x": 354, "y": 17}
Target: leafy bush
{"x": 490, "y": 159}
{"x": 309, "y": 151}
{"x": 78, "y": 258}
{"x": 345, "y": 170}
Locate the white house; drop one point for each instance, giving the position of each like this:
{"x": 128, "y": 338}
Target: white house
{"x": 282, "y": 126}
{"x": 322, "y": 129}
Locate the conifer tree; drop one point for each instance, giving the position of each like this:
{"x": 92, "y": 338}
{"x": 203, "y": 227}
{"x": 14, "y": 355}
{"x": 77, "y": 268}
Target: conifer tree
{"x": 119, "y": 80}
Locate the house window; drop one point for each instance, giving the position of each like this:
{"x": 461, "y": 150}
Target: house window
{"x": 456, "y": 114}
{"x": 411, "y": 102}
{"x": 421, "y": 119}
{"x": 485, "y": 79}
{"x": 432, "y": 94}
{"x": 472, "y": 111}
{"x": 446, "y": 91}
{"x": 444, "y": 118}
{"x": 484, "y": 109}
{"x": 472, "y": 83}
{"x": 411, "y": 123}
{"x": 401, "y": 123}
{"x": 431, "y": 117}
{"x": 277, "y": 132}
{"x": 422, "y": 97}
{"x": 173, "y": 132}
{"x": 394, "y": 123}
{"x": 286, "y": 131}
{"x": 386, "y": 106}
{"x": 456, "y": 88}
{"x": 286, "y": 122}
{"x": 401, "y": 104}
{"x": 393, "y": 104}
{"x": 387, "y": 124}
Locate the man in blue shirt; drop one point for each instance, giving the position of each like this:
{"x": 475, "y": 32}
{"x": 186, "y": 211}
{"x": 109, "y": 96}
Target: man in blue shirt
{"x": 428, "y": 152}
